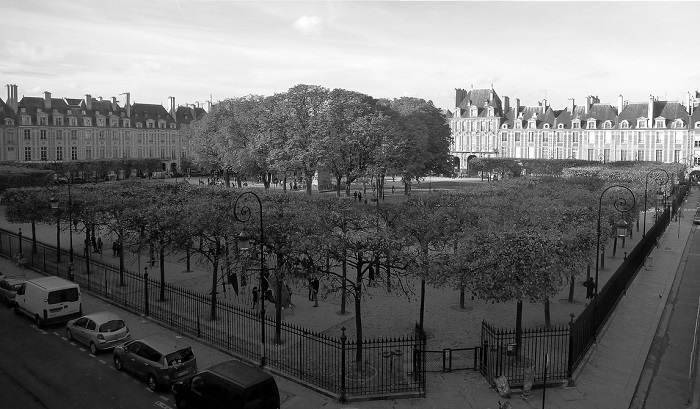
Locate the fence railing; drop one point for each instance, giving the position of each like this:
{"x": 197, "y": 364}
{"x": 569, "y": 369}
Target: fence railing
{"x": 384, "y": 367}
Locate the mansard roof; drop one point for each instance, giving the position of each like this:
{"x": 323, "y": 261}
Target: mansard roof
{"x": 670, "y": 111}
{"x": 481, "y": 98}
{"x": 5, "y": 112}
{"x": 695, "y": 117}
{"x": 184, "y": 115}
{"x": 632, "y": 112}
{"x": 143, "y": 112}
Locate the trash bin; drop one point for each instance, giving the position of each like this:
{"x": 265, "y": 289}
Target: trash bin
{"x": 528, "y": 380}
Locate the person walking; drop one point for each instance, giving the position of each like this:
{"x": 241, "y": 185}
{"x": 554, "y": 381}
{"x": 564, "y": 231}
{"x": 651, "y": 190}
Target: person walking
{"x": 94, "y": 244}
{"x": 316, "y": 285}
{"x": 590, "y": 287}
{"x": 114, "y": 248}
{"x": 99, "y": 245}
{"x": 255, "y": 297}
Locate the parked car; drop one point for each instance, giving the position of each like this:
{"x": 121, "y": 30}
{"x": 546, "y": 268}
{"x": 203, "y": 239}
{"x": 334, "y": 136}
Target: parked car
{"x": 696, "y": 218}
{"x": 8, "y": 289}
{"x": 99, "y": 331}
{"x": 49, "y": 300}
{"x": 159, "y": 359}
{"x": 230, "y": 384}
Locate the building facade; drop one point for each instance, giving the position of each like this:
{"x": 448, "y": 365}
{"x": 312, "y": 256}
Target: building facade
{"x": 35, "y": 129}
{"x": 484, "y": 125}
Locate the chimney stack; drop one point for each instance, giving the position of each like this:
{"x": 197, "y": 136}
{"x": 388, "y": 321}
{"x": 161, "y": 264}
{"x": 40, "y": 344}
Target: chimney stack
{"x": 506, "y": 104}
{"x": 544, "y": 105}
{"x": 651, "y": 111}
{"x": 571, "y": 105}
{"x": 517, "y": 107}
{"x": 47, "y": 100}
{"x": 620, "y": 104}
{"x": 128, "y": 104}
{"x": 15, "y": 98}
{"x": 114, "y": 104}
{"x": 88, "y": 102}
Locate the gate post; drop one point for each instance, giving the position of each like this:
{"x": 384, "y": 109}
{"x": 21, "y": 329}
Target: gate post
{"x": 570, "y": 363}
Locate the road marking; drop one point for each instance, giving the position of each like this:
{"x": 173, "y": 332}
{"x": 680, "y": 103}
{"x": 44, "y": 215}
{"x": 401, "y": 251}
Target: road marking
{"x": 162, "y": 405}
{"x": 82, "y": 349}
{"x": 102, "y": 362}
{"x": 57, "y": 334}
{"x": 72, "y": 343}
{"x": 39, "y": 329}
{"x": 164, "y": 398}
{"x": 64, "y": 338}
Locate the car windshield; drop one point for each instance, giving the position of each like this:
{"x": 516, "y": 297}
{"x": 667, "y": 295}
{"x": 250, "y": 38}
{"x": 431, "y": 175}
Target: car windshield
{"x": 180, "y": 356}
{"x": 111, "y": 326}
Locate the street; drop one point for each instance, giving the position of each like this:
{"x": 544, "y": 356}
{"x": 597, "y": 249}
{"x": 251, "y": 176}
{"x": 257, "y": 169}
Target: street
{"x": 42, "y": 369}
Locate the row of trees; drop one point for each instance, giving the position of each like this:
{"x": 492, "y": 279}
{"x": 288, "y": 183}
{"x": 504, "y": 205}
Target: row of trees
{"x": 310, "y": 128}
{"x": 521, "y": 240}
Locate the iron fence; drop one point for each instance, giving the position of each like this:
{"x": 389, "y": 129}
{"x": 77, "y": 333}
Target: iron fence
{"x": 453, "y": 359}
{"x": 384, "y": 367}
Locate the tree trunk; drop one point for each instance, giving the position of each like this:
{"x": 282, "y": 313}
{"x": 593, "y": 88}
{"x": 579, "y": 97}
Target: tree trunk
{"x": 422, "y": 286}
{"x": 278, "y": 298}
{"x": 358, "y": 322}
{"x": 214, "y": 279}
{"x": 547, "y": 314}
{"x": 518, "y": 327}
{"x": 602, "y": 259}
{"x": 614, "y": 246}
{"x": 343, "y": 288}
{"x": 388, "y": 275}
{"x": 309, "y": 179}
{"x": 161, "y": 259}
{"x": 572, "y": 285}
{"x": 338, "y": 179}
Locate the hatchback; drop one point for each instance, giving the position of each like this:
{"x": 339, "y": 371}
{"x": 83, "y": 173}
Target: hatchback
{"x": 161, "y": 360}
{"x": 99, "y": 331}
{"x": 8, "y": 289}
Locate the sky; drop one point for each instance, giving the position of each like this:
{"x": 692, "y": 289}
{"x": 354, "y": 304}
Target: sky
{"x": 204, "y": 50}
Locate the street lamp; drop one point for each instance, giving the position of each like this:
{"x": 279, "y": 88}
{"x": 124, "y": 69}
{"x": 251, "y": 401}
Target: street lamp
{"x": 660, "y": 180}
{"x": 622, "y": 205}
{"x": 244, "y": 244}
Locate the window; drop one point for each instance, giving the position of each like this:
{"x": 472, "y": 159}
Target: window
{"x": 696, "y": 144}
{"x": 545, "y": 136}
{"x": 560, "y": 126}
{"x": 139, "y": 124}
{"x": 606, "y": 155}
{"x": 659, "y": 137}
{"x": 591, "y": 156}
{"x": 73, "y": 121}
{"x": 640, "y": 137}
{"x": 100, "y": 122}
{"x": 27, "y": 153}
{"x": 531, "y": 137}
{"x": 42, "y": 134}
{"x": 608, "y": 136}
{"x": 58, "y": 121}
{"x": 517, "y": 137}
{"x": 560, "y": 137}
{"x": 73, "y": 153}
{"x": 640, "y": 155}
{"x": 659, "y": 123}
{"x": 677, "y": 156}
{"x": 546, "y": 126}
{"x": 576, "y": 124}
{"x": 623, "y": 137}
{"x": 59, "y": 153}
{"x": 591, "y": 137}
{"x": 590, "y": 124}
{"x": 574, "y": 137}
{"x": 641, "y": 123}
{"x": 624, "y": 125}
{"x": 88, "y": 153}
{"x": 27, "y": 134}
{"x": 659, "y": 155}
{"x": 43, "y": 153}
{"x": 623, "y": 155}
{"x": 74, "y": 135}
{"x": 504, "y": 137}
{"x": 65, "y": 295}
{"x": 679, "y": 136}
{"x": 43, "y": 120}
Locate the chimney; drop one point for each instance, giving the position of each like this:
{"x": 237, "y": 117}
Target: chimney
{"x": 99, "y": 99}
{"x": 689, "y": 104}
{"x": 47, "y": 100}
{"x": 459, "y": 96}
{"x": 506, "y": 104}
{"x": 571, "y": 105}
{"x": 194, "y": 112}
{"x": 209, "y": 106}
{"x": 620, "y": 104}
{"x": 128, "y": 104}
{"x": 15, "y": 98}
{"x": 517, "y": 107}
{"x": 651, "y": 111}
{"x": 172, "y": 106}
{"x": 114, "y": 104}
{"x": 88, "y": 102}
{"x": 544, "y": 105}
{"x": 491, "y": 96}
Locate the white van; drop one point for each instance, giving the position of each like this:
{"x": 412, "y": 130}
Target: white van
{"x": 49, "y": 299}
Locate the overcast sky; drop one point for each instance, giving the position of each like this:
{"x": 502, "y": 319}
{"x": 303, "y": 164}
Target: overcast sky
{"x": 189, "y": 49}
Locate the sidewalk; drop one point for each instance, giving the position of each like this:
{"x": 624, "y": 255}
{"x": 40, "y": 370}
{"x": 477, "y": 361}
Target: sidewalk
{"x": 608, "y": 379}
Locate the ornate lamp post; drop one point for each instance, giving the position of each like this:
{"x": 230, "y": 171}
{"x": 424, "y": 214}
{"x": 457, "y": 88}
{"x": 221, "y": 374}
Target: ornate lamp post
{"x": 660, "y": 180}
{"x": 622, "y": 205}
{"x": 244, "y": 244}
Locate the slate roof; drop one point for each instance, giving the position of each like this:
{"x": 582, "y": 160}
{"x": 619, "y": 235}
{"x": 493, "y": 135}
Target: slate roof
{"x": 632, "y": 112}
{"x": 601, "y": 113}
{"x": 671, "y": 111}
{"x": 480, "y": 99}
{"x": 695, "y": 117}
{"x": 184, "y": 115}
{"x": 143, "y": 112}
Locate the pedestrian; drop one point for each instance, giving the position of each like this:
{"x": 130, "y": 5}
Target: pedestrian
{"x": 94, "y": 244}
{"x": 316, "y": 285}
{"x": 354, "y": 194}
{"x": 590, "y": 287}
{"x": 233, "y": 280}
{"x": 99, "y": 245}
{"x": 392, "y": 189}
{"x": 119, "y": 248}
{"x": 255, "y": 297}
{"x": 359, "y": 196}
{"x": 311, "y": 288}
{"x": 114, "y": 248}
{"x": 370, "y": 270}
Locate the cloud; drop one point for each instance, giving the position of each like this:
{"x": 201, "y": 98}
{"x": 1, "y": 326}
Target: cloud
{"x": 308, "y": 25}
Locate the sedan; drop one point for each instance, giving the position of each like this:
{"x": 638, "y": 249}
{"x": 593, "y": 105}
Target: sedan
{"x": 99, "y": 331}
{"x": 8, "y": 289}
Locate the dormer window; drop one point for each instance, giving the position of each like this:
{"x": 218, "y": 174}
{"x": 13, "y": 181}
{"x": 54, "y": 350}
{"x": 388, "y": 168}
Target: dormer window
{"x": 678, "y": 123}
{"x": 139, "y": 124}
{"x": 641, "y": 123}
{"x": 590, "y": 124}
{"x": 9, "y": 121}
{"x": 100, "y": 122}
{"x": 150, "y": 124}
{"x": 546, "y": 126}
{"x": 504, "y": 126}
{"x": 87, "y": 121}
{"x": 114, "y": 123}
{"x": 472, "y": 111}
{"x": 69, "y": 112}
{"x": 697, "y": 124}
{"x": 518, "y": 124}
{"x": 58, "y": 121}
{"x": 173, "y": 125}
{"x": 83, "y": 112}
{"x": 23, "y": 110}
{"x": 659, "y": 123}
{"x": 624, "y": 125}
{"x": 43, "y": 120}
{"x": 161, "y": 124}
{"x": 607, "y": 125}
{"x": 125, "y": 123}
{"x": 560, "y": 126}
{"x": 576, "y": 124}
{"x": 532, "y": 124}
{"x": 490, "y": 111}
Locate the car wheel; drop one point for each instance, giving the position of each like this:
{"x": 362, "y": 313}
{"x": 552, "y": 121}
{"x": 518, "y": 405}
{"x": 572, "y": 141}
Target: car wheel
{"x": 38, "y": 322}
{"x": 152, "y": 384}
{"x": 93, "y": 348}
{"x": 181, "y": 404}
{"x": 69, "y": 334}
{"x": 118, "y": 363}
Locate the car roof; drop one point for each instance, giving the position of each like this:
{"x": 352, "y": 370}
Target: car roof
{"x": 14, "y": 280}
{"x": 102, "y": 317}
{"x": 163, "y": 344}
{"x": 240, "y": 372}
{"x": 53, "y": 281}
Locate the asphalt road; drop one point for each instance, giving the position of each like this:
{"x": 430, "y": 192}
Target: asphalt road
{"x": 41, "y": 369}
{"x": 669, "y": 359}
